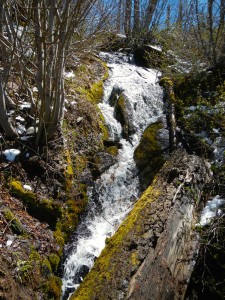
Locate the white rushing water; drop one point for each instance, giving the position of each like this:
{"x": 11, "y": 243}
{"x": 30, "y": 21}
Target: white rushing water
{"x": 116, "y": 190}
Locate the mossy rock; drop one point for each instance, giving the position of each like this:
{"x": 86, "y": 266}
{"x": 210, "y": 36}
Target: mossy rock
{"x": 123, "y": 113}
{"x": 46, "y": 210}
{"x": 102, "y": 161}
{"x": 13, "y": 222}
{"x": 150, "y": 153}
{"x": 113, "y": 150}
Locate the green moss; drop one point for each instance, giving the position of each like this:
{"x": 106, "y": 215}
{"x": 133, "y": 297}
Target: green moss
{"x": 103, "y": 128}
{"x": 58, "y": 235}
{"x": 53, "y": 287}
{"x": 113, "y": 150}
{"x": 46, "y": 267}
{"x": 149, "y": 147}
{"x": 54, "y": 260}
{"x": 45, "y": 210}
{"x": 69, "y": 171}
{"x": 13, "y": 222}
{"x": 105, "y": 264}
{"x": 166, "y": 82}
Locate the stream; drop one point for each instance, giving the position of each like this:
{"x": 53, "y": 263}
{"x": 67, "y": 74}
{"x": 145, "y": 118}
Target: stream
{"x": 115, "y": 191}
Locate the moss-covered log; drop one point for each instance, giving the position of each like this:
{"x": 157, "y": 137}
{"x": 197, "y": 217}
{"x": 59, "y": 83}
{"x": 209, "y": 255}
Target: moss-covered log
{"x": 150, "y": 256}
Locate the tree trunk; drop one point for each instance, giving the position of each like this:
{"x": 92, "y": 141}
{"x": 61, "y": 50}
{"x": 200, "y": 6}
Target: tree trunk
{"x": 119, "y": 16}
{"x": 168, "y": 13}
{"x": 127, "y": 20}
{"x": 4, "y": 118}
{"x": 212, "y": 49}
{"x": 180, "y": 15}
{"x": 136, "y": 16}
{"x": 150, "y": 13}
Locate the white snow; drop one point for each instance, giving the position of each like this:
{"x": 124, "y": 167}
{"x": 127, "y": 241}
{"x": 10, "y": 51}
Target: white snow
{"x": 9, "y": 243}
{"x": 158, "y": 48}
{"x": 25, "y": 105}
{"x": 21, "y": 129}
{"x": 120, "y": 35}
{"x": 69, "y": 74}
{"x": 35, "y": 90}
{"x": 24, "y": 138}
{"x": 27, "y": 187}
{"x": 11, "y": 154}
{"x": 211, "y": 210}
{"x": 20, "y": 119}
{"x": 10, "y": 240}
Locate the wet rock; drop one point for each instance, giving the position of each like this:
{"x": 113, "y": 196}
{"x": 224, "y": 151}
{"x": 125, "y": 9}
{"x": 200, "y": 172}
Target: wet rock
{"x": 123, "y": 113}
{"x": 113, "y": 150}
{"x": 151, "y": 152}
{"x": 117, "y": 90}
{"x": 83, "y": 271}
{"x": 102, "y": 161}
{"x": 112, "y": 144}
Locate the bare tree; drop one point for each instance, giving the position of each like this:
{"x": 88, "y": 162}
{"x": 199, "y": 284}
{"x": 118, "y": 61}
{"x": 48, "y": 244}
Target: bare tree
{"x": 49, "y": 28}
{"x": 180, "y": 17}
{"x": 168, "y": 16}
{"x": 136, "y": 16}
{"x": 127, "y": 18}
{"x": 151, "y": 8}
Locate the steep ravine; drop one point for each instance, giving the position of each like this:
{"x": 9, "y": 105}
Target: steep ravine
{"x": 132, "y": 101}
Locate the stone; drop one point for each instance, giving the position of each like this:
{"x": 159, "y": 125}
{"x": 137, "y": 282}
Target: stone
{"x": 102, "y": 161}
{"x": 151, "y": 152}
{"x": 123, "y": 113}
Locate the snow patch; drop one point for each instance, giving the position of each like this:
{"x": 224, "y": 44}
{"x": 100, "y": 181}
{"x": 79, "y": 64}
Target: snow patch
{"x": 20, "y": 119}
{"x": 27, "y": 187}
{"x": 69, "y": 74}
{"x": 11, "y": 154}
{"x": 25, "y": 105}
{"x": 211, "y": 210}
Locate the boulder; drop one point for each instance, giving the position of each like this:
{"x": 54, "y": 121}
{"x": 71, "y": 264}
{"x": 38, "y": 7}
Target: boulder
{"x": 123, "y": 113}
{"x": 151, "y": 152}
{"x": 102, "y": 161}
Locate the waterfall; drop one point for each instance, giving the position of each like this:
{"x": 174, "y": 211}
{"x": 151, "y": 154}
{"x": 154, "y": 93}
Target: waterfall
{"x": 115, "y": 191}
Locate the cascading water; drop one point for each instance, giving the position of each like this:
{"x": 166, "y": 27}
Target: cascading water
{"x": 115, "y": 191}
